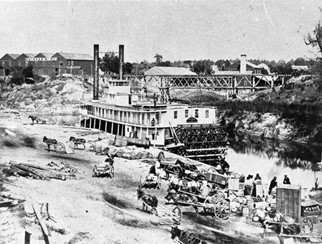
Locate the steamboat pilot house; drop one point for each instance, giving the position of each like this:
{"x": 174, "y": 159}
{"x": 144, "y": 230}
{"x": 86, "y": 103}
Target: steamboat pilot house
{"x": 123, "y": 113}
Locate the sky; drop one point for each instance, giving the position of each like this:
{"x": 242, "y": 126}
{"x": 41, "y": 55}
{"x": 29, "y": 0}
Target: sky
{"x": 178, "y": 30}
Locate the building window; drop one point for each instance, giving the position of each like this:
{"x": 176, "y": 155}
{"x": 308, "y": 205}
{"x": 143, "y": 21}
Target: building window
{"x": 3, "y": 63}
{"x": 9, "y": 63}
{"x": 197, "y": 113}
{"x": 175, "y": 114}
{"x": 207, "y": 114}
{"x": 186, "y": 113}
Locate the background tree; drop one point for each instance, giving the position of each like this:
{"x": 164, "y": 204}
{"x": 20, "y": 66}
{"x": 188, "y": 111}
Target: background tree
{"x": 158, "y": 58}
{"x": 110, "y": 63}
{"x": 203, "y": 67}
{"x": 315, "y": 40}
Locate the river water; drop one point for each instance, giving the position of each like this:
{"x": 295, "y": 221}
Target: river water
{"x": 272, "y": 158}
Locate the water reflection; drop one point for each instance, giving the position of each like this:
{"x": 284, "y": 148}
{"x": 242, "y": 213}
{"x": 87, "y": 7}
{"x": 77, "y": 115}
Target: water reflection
{"x": 272, "y": 158}
{"x": 289, "y": 154}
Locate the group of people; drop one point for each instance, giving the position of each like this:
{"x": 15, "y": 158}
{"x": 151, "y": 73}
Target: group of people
{"x": 273, "y": 184}
{"x": 251, "y": 183}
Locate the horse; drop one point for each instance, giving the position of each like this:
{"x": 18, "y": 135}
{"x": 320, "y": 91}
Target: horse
{"x": 49, "y": 142}
{"x": 185, "y": 236}
{"x": 147, "y": 200}
{"x": 77, "y": 141}
{"x": 37, "y": 119}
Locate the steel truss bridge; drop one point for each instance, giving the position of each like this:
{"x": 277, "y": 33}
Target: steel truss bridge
{"x": 233, "y": 83}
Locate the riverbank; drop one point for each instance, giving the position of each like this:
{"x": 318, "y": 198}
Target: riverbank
{"x": 97, "y": 210}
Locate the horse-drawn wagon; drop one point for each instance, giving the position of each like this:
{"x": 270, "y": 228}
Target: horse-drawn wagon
{"x": 211, "y": 201}
{"x": 58, "y": 146}
{"x": 77, "y": 142}
{"x": 36, "y": 119}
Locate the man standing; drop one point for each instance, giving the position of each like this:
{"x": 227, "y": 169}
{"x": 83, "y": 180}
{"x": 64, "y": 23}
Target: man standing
{"x": 272, "y": 185}
{"x": 286, "y": 180}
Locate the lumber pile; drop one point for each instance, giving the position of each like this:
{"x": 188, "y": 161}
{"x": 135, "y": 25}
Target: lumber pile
{"x": 61, "y": 171}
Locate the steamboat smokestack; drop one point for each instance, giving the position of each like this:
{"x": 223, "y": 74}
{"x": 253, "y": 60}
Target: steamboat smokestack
{"x": 121, "y": 58}
{"x": 242, "y": 64}
{"x": 96, "y": 73}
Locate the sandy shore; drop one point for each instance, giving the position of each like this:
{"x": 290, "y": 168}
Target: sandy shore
{"x": 94, "y": 210}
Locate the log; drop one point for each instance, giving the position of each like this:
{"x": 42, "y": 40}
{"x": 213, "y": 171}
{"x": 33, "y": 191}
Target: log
{"x": 5, "y": 203}
{"x": 34, "y": 166}
{"x": 31, "y": 170}
{"x": 20, "y": 171}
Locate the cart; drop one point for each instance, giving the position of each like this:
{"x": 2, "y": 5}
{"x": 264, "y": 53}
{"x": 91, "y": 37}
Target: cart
{"x": 214, "y": 205}
{"x": 103, "y": 169}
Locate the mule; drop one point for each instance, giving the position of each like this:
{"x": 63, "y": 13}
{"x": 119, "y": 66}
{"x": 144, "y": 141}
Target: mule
{"x": 49, "y": 142}
{"x": 148, "y": 200}
{"x": 77, "y": 141}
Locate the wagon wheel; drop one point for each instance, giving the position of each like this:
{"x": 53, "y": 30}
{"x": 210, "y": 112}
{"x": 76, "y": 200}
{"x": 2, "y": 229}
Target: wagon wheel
{"x": 94, "y": 171}
{"x": 154, "y": 211}
{"x": 177, "y": 214}
{"x": 112, "y": 172}
{"x": 60, "y": 147}
{"x": 306, "y": 226}
{"x": 222, "y": 210}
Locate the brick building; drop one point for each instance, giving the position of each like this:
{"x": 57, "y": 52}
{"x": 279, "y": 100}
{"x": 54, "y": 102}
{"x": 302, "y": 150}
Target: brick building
{"x": 7, "y": 62}
{"x": 74, "y": 63}
{"x": 22, "y": 60}
{"x": 49, "y": 63}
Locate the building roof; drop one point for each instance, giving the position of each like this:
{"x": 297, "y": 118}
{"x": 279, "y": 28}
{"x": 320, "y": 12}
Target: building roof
{"x": 29, "y": 55}
{"x": 45, "y": 55}
{"x": 160, "y": 70}
{"x": 75, "y": 56}
{"x": 11, "y": 55}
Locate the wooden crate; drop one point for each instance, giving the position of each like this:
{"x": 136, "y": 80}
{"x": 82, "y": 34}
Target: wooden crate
{"x": 216, "y": 178}
{"x": 288, "y": 201}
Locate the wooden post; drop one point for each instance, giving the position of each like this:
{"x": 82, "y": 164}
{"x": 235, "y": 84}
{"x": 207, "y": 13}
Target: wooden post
{"x": 27, "y": 237}
{"x": 41, "y": 223}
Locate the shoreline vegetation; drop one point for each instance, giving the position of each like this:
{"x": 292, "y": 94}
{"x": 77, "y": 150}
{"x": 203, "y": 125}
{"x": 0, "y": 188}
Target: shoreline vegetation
{"x": 289, "y": 112}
